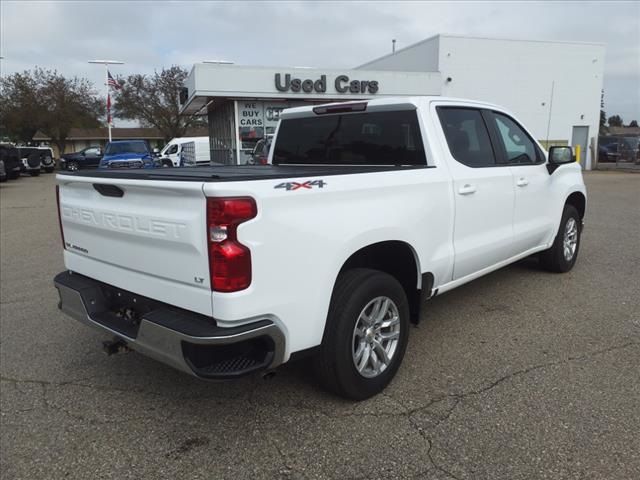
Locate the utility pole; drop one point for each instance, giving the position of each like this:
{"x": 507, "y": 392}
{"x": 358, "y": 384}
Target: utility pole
{"x": 106, "y": 64}
{"x": 393, "y": 46}
{"x": 550, "y": 110}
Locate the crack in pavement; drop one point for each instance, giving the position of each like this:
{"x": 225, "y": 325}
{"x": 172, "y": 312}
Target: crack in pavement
{"x": 457, "y": 399}
{"x": 548, "y": 364}
{"x": 76, "y": 383}
{"x": 460, "y": 397}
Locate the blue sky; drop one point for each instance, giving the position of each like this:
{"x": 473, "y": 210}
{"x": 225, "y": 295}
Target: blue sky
{"x": 150, "y": 35}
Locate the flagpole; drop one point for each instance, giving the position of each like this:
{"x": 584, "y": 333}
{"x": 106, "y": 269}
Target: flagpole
{"x": 106, "y": 64}
{"x": 106, "y": 83}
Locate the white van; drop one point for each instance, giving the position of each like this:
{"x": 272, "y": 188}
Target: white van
{"x": 171, "y": 154}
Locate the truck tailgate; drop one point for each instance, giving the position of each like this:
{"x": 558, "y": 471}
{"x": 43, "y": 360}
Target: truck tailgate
{"x": 145, "y": 237}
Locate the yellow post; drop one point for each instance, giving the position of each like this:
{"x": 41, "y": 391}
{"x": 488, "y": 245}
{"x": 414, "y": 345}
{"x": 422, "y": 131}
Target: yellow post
{"x": 577, "y": 150}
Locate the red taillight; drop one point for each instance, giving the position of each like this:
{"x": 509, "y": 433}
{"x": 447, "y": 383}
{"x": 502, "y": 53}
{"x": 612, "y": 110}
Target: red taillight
{"x": 229, "y": 260}
{"x": 59, "y": 215}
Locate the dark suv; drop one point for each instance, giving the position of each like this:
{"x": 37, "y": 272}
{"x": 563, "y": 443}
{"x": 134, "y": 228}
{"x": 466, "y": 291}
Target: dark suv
{"x": 10, "y": 156}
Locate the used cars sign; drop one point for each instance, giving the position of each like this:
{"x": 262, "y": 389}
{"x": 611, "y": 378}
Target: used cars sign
{"x": 341, "y": 84}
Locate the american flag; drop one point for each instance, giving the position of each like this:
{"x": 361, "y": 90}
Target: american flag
{"x": 112, "y": 82}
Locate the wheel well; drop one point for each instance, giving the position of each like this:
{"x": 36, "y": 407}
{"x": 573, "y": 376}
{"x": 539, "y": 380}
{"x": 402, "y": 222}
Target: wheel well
{"x": 578, "y": 200}
{"x": 398, "y": 260}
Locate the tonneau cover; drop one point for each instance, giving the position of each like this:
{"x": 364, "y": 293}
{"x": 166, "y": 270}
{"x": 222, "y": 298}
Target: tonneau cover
{"x": 235, "y": 173}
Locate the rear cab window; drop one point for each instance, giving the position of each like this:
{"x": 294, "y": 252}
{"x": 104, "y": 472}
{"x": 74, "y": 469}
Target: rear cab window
{"x": 363, "y": 138}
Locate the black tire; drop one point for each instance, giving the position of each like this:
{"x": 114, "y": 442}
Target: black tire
{"x": 334, "y": 363}
{"x": 34, "y": 173}
{"x": 49, "y": 170}
{"x": 167, "y": 164}
{"x": 554, "y": 258}
{"x": 13, "y": 175}
{"x": 73, "y": 166}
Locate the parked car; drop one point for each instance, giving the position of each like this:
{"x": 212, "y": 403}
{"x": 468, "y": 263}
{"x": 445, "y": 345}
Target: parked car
{"x": 170, "y": 155}
{"x": 3, "y": 172}
{"x": 86, "y": 158}
{"x": 368, "y": 209}
{"x": 619, "y": 149}
{"x": 10, "y": 155}
{"x": 36, "y": 159}
{"x": 128, "y": 154}
{"x": 608, "y": 149}
{"x": 30, "y": 161}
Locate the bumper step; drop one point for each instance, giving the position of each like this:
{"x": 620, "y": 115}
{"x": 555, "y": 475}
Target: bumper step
{"x": 185, "y": 340}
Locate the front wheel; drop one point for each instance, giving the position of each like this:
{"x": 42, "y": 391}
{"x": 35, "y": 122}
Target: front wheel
{"x": 365, "y": 336}
{"x": 73, "y": 166}
{"x": 562, "y": 255}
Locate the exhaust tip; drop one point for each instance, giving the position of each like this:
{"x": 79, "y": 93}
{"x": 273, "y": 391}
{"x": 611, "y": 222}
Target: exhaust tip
{"x": 117, "y": 345}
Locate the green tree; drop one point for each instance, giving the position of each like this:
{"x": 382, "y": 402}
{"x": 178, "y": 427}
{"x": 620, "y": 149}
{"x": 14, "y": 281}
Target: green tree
{"x": 634, "y": 123}
{"x": 615, "y": 121}
{"x": 154, "y": 100}
{"x": 19, "y": 96}
{"x": 47, "y": 101}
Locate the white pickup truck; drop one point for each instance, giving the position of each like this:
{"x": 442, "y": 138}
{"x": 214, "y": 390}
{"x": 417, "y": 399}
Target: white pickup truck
{"x": 366, "y": 210}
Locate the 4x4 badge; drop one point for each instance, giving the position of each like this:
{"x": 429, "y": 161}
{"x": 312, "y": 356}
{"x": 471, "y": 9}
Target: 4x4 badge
{"x": 309, "y": 184}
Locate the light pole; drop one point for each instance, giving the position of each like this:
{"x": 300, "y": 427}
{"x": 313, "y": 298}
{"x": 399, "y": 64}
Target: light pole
{"x": 106, "y": 64}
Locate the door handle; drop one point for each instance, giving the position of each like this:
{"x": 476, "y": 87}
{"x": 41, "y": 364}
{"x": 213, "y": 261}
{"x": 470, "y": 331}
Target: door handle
{"x": 467, "y": 189}
{"x": 522, "y": 182}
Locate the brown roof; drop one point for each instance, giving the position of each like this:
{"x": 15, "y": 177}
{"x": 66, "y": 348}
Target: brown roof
{"x": 119, "y": 134}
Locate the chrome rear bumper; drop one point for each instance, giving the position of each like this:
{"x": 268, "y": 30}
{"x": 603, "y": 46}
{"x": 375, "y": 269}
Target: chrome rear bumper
{"x": 184, "y": 340}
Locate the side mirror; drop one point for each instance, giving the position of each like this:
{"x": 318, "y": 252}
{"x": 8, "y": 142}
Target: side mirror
{"x": 156, "y": 150}
{"x": 560, "y": 155}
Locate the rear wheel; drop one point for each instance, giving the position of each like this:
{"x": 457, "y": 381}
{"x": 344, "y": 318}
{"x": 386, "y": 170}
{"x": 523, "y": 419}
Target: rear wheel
{"x": 49, "y": 169}
{"x": 34, "y": 173}
{"x": 72, "y": 166}
{"x": 167, "y": 163}
{"x": 562, "y": 255}
{"x": 366, "y": 334}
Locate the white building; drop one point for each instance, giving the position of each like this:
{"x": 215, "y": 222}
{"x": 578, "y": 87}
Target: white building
{"x": 554, "y": 88}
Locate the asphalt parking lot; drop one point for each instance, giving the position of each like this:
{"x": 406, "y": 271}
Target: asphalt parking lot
{"x": 519, "y": 375}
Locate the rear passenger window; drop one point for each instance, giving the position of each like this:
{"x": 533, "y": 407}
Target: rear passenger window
{"x": 467, "y": 136}
{"x": 371, "y": 138}
{"x": 519, "y": 148}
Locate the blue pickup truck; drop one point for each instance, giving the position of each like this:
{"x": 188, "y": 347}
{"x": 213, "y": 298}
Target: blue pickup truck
{"x": 128, "y": 154}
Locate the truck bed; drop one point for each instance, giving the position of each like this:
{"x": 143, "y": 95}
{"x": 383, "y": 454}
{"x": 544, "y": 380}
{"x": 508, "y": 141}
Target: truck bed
{"x": 236, "y": 173}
